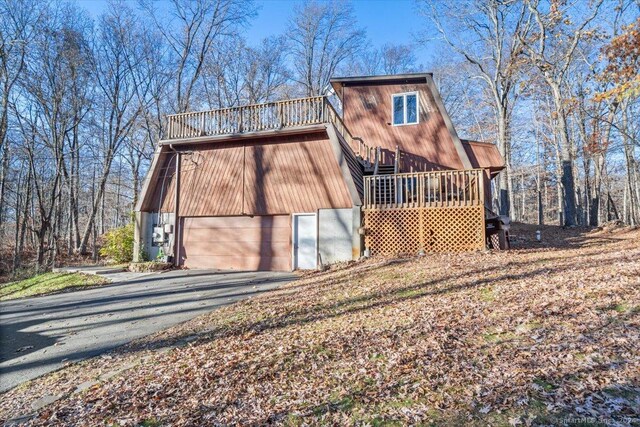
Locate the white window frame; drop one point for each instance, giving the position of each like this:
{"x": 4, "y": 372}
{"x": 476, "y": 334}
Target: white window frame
{"x": 404, "y": 111}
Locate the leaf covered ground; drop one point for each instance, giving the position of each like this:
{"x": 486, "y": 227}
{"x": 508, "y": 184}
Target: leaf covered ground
{"x": 545, "y": 334}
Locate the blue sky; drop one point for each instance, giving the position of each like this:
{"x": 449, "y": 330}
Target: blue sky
{"x": 385, "y": 21}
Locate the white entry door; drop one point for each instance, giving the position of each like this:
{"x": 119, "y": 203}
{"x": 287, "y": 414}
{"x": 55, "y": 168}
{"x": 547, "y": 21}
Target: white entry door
{"x": 304, "y": 241}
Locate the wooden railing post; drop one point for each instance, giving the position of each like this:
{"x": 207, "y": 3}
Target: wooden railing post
{"x": 480, "y": 179}
{"x": 396, "y": 163}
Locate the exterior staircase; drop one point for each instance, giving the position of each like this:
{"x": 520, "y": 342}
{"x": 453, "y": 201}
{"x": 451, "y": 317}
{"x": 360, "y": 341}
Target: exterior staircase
{"x": 384, "y": 192}
{"x": 380, "y": 165}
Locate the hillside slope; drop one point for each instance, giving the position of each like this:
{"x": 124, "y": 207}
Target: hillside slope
{"x": 530, "y": 335}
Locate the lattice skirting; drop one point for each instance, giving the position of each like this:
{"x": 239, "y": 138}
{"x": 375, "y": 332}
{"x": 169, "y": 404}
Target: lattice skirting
{"x": 410, "y": 230}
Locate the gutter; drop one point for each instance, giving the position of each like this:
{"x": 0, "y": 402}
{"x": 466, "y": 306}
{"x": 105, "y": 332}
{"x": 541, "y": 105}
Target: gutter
{"x": 176, "y": 209}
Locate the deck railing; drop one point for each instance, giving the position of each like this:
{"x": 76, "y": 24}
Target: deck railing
{"x": 424, "y": 189}
{"x": 360, "y": 149}
{"x": 249, "y": 118}
{"x": 262, "y": 117}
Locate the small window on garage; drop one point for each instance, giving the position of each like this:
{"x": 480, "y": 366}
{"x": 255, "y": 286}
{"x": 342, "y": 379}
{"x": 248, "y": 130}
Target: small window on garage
{"x": 405, "y": 108}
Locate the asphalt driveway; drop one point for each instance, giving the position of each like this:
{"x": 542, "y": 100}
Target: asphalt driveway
{"x": 38, "y": 335}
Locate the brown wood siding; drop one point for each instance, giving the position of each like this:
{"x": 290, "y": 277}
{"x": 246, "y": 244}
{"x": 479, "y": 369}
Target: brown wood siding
{"x": 162, "y": 185}
{"x": 287, "y": 174}
{"x": 236, "y": 243}
{"x": 483, "y": 155}
{"x": 368, "y": 114}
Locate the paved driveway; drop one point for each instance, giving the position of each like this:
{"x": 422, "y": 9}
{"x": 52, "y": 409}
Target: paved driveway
{"x": 39, "y": 335}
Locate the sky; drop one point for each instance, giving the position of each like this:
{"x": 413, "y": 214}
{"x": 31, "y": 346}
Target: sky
{"x": 385, "y": 21}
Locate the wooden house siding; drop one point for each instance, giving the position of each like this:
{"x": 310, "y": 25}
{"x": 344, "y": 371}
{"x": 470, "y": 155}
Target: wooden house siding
{"x": 428, "y": 145}
{"x": 160, "y": 185}
{"x": 484, "y": 155}
{"x": 270, "y": 176}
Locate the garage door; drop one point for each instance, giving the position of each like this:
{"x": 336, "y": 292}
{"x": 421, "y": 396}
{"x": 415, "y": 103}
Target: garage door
{"x": 237, "y": 242}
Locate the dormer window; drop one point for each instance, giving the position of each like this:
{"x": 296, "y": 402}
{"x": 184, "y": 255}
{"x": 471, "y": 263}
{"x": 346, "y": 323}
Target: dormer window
{"x": 405, "y": 108}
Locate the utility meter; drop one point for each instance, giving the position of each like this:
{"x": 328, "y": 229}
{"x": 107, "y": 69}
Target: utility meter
{"x": 158, "y": 235}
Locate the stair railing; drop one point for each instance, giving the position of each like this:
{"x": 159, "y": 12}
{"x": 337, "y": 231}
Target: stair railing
{"x": 376, "y": 162}
{"x": 396, "y": 162}
{"x": 360, "y": 149}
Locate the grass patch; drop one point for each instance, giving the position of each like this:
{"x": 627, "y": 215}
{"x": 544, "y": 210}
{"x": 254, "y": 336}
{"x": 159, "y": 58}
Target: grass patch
{"x": 544, "y": 385}
{"x": 48, "y": 283}
{"x": 528, "y": 327}
{"x": 620, "y": 308}
{"x": 409, "y": 293}
{"x": 487, "y": 295}
{"x": 499, "y": 337}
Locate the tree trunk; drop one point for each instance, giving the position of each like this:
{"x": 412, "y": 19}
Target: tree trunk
{"x": 566, "y": 159}
{"x": 596, "y": 202}
{"x": 21, "y": 219}
{"x": 504, "y": 190}
{"x": 632, "y": 175}
{"x": 136, "y": 183}
{"x": 97, "y": 203}
{"x": 3, "y": 185}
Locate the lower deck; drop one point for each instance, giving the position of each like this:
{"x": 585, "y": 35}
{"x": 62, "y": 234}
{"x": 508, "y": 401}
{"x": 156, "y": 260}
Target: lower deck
{"x": 442, "y": 211}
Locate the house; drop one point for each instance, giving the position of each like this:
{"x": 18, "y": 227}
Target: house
{"x": 295, "y": 185}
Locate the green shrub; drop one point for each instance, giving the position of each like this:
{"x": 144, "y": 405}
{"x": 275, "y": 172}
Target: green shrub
{"x": 118, "y": 244}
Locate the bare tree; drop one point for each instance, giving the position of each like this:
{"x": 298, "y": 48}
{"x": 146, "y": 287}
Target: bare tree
{"x": 265, "y": 70}
{"x": 622, "y": 76}
{"x": 17, "y": 23}
{"x": 389, "y": 59}
{"x": 193, "y": 31}
{"x": 323, "y": 37}
{"x": 551, "y": 46}
{"x": 486, "y": 35}
{"x": 58, "y": 61}
{"x": 116, "y": 63}
{"x": 398, "y": 58}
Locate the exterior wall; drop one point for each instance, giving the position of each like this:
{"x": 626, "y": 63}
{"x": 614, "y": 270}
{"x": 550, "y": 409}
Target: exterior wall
{"x": 271, "y": 176}
{"x": 140, "y": 241}
{"x": 143, "y": 247}
{"x": 160, "y": 182}
{"x": 335, "y": 235}
{"x": 368, "y": 114}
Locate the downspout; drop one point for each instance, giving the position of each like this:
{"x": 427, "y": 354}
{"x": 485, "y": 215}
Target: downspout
{"x": 176, "y": 208}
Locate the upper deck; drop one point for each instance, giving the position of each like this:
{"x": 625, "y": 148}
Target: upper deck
{"x": 271, "y": 116}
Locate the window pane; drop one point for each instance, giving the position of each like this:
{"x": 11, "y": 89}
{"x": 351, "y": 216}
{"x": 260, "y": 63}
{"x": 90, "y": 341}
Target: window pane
{"x": 398, "y": 110}
{"x": 412, "y": 109}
